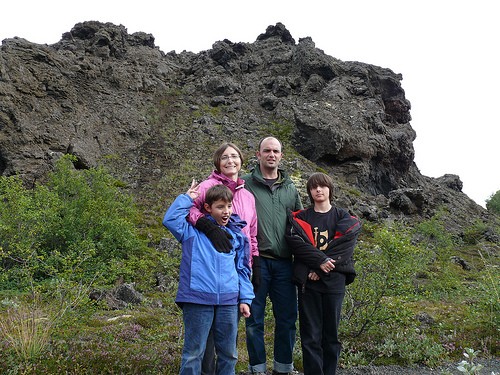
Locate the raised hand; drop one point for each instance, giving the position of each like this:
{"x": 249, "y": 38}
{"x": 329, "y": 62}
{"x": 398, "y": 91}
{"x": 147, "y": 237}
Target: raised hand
{"x": 194, "y": 190}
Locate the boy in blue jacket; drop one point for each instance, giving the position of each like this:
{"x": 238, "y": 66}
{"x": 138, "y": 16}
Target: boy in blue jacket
{"x": 213, "y": 286}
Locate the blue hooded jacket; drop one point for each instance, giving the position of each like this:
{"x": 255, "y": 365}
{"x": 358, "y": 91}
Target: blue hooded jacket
{"x": 208, "y": 277}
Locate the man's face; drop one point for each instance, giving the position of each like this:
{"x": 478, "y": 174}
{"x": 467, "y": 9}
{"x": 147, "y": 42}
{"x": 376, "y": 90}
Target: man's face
{"x": 269, "y": 155}
{"x": 220, "y": 210}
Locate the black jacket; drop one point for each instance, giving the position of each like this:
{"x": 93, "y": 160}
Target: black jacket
{"x": 307, "y": 257}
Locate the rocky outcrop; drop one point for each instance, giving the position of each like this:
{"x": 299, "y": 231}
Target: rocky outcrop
{"x": 119, "y": 297}
{"x": 154, "y": 118}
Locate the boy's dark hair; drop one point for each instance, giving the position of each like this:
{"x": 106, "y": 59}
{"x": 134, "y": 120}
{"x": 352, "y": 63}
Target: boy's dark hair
{"x": 319, "y": 179}
{"x": 218, "y": 154}
{"x": 217, "y": 192}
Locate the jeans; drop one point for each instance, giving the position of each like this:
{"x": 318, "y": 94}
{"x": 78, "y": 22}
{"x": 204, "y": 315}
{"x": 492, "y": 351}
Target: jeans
{"x": 198, "y": 320}
{"x": 319, "y": 318}
{"x": 276, "y": 281}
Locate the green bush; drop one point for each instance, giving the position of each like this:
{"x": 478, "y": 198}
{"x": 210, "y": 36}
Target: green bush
{"x": 474, "y": 233}
{"x": 386, "y": 265}
{"x": 409, "y": 346}
{"x": 433, "y": 233}
{"x": 402, "y": 273}
{"x": 493, "y": 203}
{"x": 74, "y": 227}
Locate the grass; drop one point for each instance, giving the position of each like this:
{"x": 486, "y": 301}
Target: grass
{"x": 61, "y": 331}
{"x": 27, "y": 332}
{"x": 148, "y": 338}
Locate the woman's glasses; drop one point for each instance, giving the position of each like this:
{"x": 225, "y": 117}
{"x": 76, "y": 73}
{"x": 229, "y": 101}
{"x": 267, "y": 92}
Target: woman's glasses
{"x": 227, "y": 157}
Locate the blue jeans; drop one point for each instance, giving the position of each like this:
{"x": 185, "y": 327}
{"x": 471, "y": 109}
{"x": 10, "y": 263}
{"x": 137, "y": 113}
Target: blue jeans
{"x": 276, "y": 281}
{"x": 198, "y": 320}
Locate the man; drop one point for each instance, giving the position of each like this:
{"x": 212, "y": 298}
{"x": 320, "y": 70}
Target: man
{"x": 275, "y": 194}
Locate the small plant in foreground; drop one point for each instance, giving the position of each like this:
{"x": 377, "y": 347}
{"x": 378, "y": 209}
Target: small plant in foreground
{"x": 27, "y": 326}
{"x": 468, "y": 366}
{"x": 27, "y": 331}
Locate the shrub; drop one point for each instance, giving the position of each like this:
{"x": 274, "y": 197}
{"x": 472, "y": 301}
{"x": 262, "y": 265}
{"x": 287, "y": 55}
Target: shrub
{"x": 493, "y": 203}
{"x": 474, "y": 233}
{"x": 434, "y": 234}
{"x": 74, "y": 227}
{"x": 411, "y": 347}
{"x": 386, "y": 263}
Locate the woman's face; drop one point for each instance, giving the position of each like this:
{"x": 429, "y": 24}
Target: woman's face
{"x": 230, "y": 163}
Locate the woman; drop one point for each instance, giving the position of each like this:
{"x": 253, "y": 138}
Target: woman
{"x": 228, "y": 160}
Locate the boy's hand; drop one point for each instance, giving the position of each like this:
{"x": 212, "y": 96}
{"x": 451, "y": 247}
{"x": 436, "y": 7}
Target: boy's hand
{"x": 219, "y": 237}
{"x": 245, "y": 310}
{"x": 313, "y": 276}
{"x": 194, "y": 191}
{"x": 328, "y": 265}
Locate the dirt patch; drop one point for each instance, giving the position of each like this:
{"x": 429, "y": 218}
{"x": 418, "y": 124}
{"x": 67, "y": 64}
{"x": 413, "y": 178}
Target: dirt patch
{"x": 491, "y": 366}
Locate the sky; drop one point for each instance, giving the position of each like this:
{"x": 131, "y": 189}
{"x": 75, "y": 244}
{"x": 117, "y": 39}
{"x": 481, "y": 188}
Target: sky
{"x": 446, "y": 51}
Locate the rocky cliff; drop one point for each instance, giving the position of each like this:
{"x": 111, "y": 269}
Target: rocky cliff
{"x": 154, "y": 118}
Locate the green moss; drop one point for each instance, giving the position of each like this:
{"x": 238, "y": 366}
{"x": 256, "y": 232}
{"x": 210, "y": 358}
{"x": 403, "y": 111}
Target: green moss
{"x": 282, "y": 130}
{"x": 206, "y": 110}
{"x": 475, "y": 233}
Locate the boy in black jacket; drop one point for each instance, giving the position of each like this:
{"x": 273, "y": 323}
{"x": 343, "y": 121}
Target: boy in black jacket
{"x": 322, "y": 239}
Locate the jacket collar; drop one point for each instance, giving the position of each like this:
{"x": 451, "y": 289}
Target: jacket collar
{"x": 235, "y": 223}
{"x": 282, "y": 175}
{"x": 230, "y": 183}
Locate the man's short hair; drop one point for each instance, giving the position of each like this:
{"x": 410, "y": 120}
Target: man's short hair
{"x": 267, "y": 137}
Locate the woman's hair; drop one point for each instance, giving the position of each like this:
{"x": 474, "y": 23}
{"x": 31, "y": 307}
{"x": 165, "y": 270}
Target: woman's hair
{"x": 218, "y": 192}
{"x": 218, "y": 153}
{"x": 319, "y": 179}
